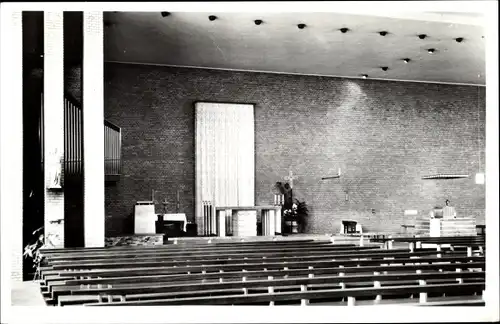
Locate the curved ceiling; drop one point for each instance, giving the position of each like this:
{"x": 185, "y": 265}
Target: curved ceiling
{"x": 235, "y": 41}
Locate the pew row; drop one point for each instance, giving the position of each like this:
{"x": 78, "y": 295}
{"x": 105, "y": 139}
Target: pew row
{"x": 117, "y": 276}
{"x": 304, "y": 296}
{"x": 101, "y": 269}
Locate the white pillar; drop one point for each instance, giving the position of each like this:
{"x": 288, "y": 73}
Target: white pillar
{"x": 53, "y": 105}
{"x": 11, "y": 147}
{"x": 221, "y": 218}
{"x": 277, "y": 218}
{"x": 93, "y": 128}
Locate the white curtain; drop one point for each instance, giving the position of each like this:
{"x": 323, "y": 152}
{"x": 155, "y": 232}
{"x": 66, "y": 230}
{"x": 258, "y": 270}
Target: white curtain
{"x": 225, "y": 162}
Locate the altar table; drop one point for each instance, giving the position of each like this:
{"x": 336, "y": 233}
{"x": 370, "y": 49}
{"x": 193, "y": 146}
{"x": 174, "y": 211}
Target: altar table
{"x": 179, "y": 217}
{"x": 244, "y": 220}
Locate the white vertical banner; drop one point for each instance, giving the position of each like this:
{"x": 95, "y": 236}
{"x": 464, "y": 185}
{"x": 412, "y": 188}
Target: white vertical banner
{"x": 225, "y": 163}
{"x": 53, "y": 105}
{"x": 93, "y": 128}
{"x": 11, "y": 149}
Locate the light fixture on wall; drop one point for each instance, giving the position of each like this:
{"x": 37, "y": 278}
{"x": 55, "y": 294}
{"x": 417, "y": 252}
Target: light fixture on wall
{"x": 445, "y": 176}
{"x": 301, "y": 26}
{"x": 258, "y": 22}
{"x": 422, "y": 36}
{"x": 384, "y": 68}
{"x": 344, "y": 30}
{"x": 339, "y": 173}
{"x": 364, "y": 76}
{"x": 212, "y": 17}
{"x": 383, "y": 33}
{"x": 406, "y": 60}
{"x": 459, "y": 39}
{"x": 431, "y": 50}
{"x": 165, "y": 14}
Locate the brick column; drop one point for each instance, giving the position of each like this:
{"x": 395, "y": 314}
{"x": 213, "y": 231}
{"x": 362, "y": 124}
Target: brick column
{"x": 11, "y": 147}
{"x": 53, "y": 103}
{"x": 93, "y": 128}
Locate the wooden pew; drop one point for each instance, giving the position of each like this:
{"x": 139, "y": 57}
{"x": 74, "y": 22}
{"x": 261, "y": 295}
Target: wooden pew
{"x": 238, "y": 275}
{"x": 100, "y": 269}
{"x": 398, "y": 273}
{"x": 132, "y": 275}
{"x": 202, "y": 256}
{"x": 468, "y": 242}
{"x": 182, "y": 246}
{"x": 187, "y": 250}
{"x": 168, "y": 261}
{"x": 211, "y": 253}
{"x": 305, "y": 296}
{"x": 289, "y": 269}
{"x": 53, "y": 275}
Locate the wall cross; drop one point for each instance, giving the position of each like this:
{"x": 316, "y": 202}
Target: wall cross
{"x": 290, "y": 178}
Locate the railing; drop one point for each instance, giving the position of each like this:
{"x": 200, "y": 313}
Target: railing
{"x": 73, "y": 143}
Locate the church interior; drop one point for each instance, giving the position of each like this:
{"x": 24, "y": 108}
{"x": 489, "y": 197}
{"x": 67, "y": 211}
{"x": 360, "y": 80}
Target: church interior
{"x": 272, "y": 158}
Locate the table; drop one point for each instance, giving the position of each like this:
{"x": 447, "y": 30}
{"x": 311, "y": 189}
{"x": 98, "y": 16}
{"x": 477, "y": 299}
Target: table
{"x": 244, "y": 220}
{"x": 178, "y": 217}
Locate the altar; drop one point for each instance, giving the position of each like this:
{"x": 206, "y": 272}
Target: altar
{"x": 243, "y": 220}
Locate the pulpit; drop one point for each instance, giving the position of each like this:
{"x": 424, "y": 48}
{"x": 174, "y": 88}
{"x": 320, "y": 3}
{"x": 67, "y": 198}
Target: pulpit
{"x": 244, "y": 220}
{"x": 144, "y": 217}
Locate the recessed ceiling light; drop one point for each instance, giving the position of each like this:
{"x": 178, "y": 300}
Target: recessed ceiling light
{"x": 212, "y": 18}
{"x": 383, "y": 33}
{"x": 364, "y": 76}
{"x": 301, "y": 26}
{"x": 258, "y": 22}
{"x": 459, "y": 39}
{"x": 165, "y": 13}
{"x": 344, "y": 30}
{"x": 384, "y": 68}
{"x": 431, "y": 51}
{"x": 422, "y": 36}
{"x": 406, "y": 60}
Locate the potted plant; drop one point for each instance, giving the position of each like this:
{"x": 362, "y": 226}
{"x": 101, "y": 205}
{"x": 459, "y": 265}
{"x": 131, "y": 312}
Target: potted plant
{"x": 32, "y": 251}
{"x": 296, "y": 216}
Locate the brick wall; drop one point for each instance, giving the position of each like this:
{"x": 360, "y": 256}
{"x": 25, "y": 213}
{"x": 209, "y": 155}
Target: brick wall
{"x": 383, "y": 135}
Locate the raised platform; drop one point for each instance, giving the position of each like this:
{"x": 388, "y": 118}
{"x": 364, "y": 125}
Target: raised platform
{"x": 135, "y": 240}
{"x": 437, "y": 227}
{"x": 158, "y": 239}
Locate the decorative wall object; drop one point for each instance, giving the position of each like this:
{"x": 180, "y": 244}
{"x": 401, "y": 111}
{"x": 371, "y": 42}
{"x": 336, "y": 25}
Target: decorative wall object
{"x": 445, "y": 176}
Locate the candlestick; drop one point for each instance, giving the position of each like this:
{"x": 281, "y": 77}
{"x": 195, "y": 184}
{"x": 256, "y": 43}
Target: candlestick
{"x": 275, "y": 199}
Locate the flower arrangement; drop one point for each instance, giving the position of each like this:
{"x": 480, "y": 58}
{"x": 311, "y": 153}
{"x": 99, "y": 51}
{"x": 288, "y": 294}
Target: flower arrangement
{"x": 298, "y": 212}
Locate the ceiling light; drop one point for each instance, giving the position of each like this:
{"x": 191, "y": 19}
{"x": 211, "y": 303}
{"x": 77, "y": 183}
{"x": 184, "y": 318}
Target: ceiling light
{"x": 344, "y": 30}
{"x": 383, "y": 33}
{"x": 422, "y": 36}
{"x": 385, "y": 68}
{"x": 364, "y": 76}
{"x": 301, "y": 26}
{"x": 459, "y": 39}
{"x": 258, "y": 22}
{"x": 431, "y": 50}
{"x": 406, "y": 60}
{"x": 165, "y": 13}
{"x": 212, "y": 18}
